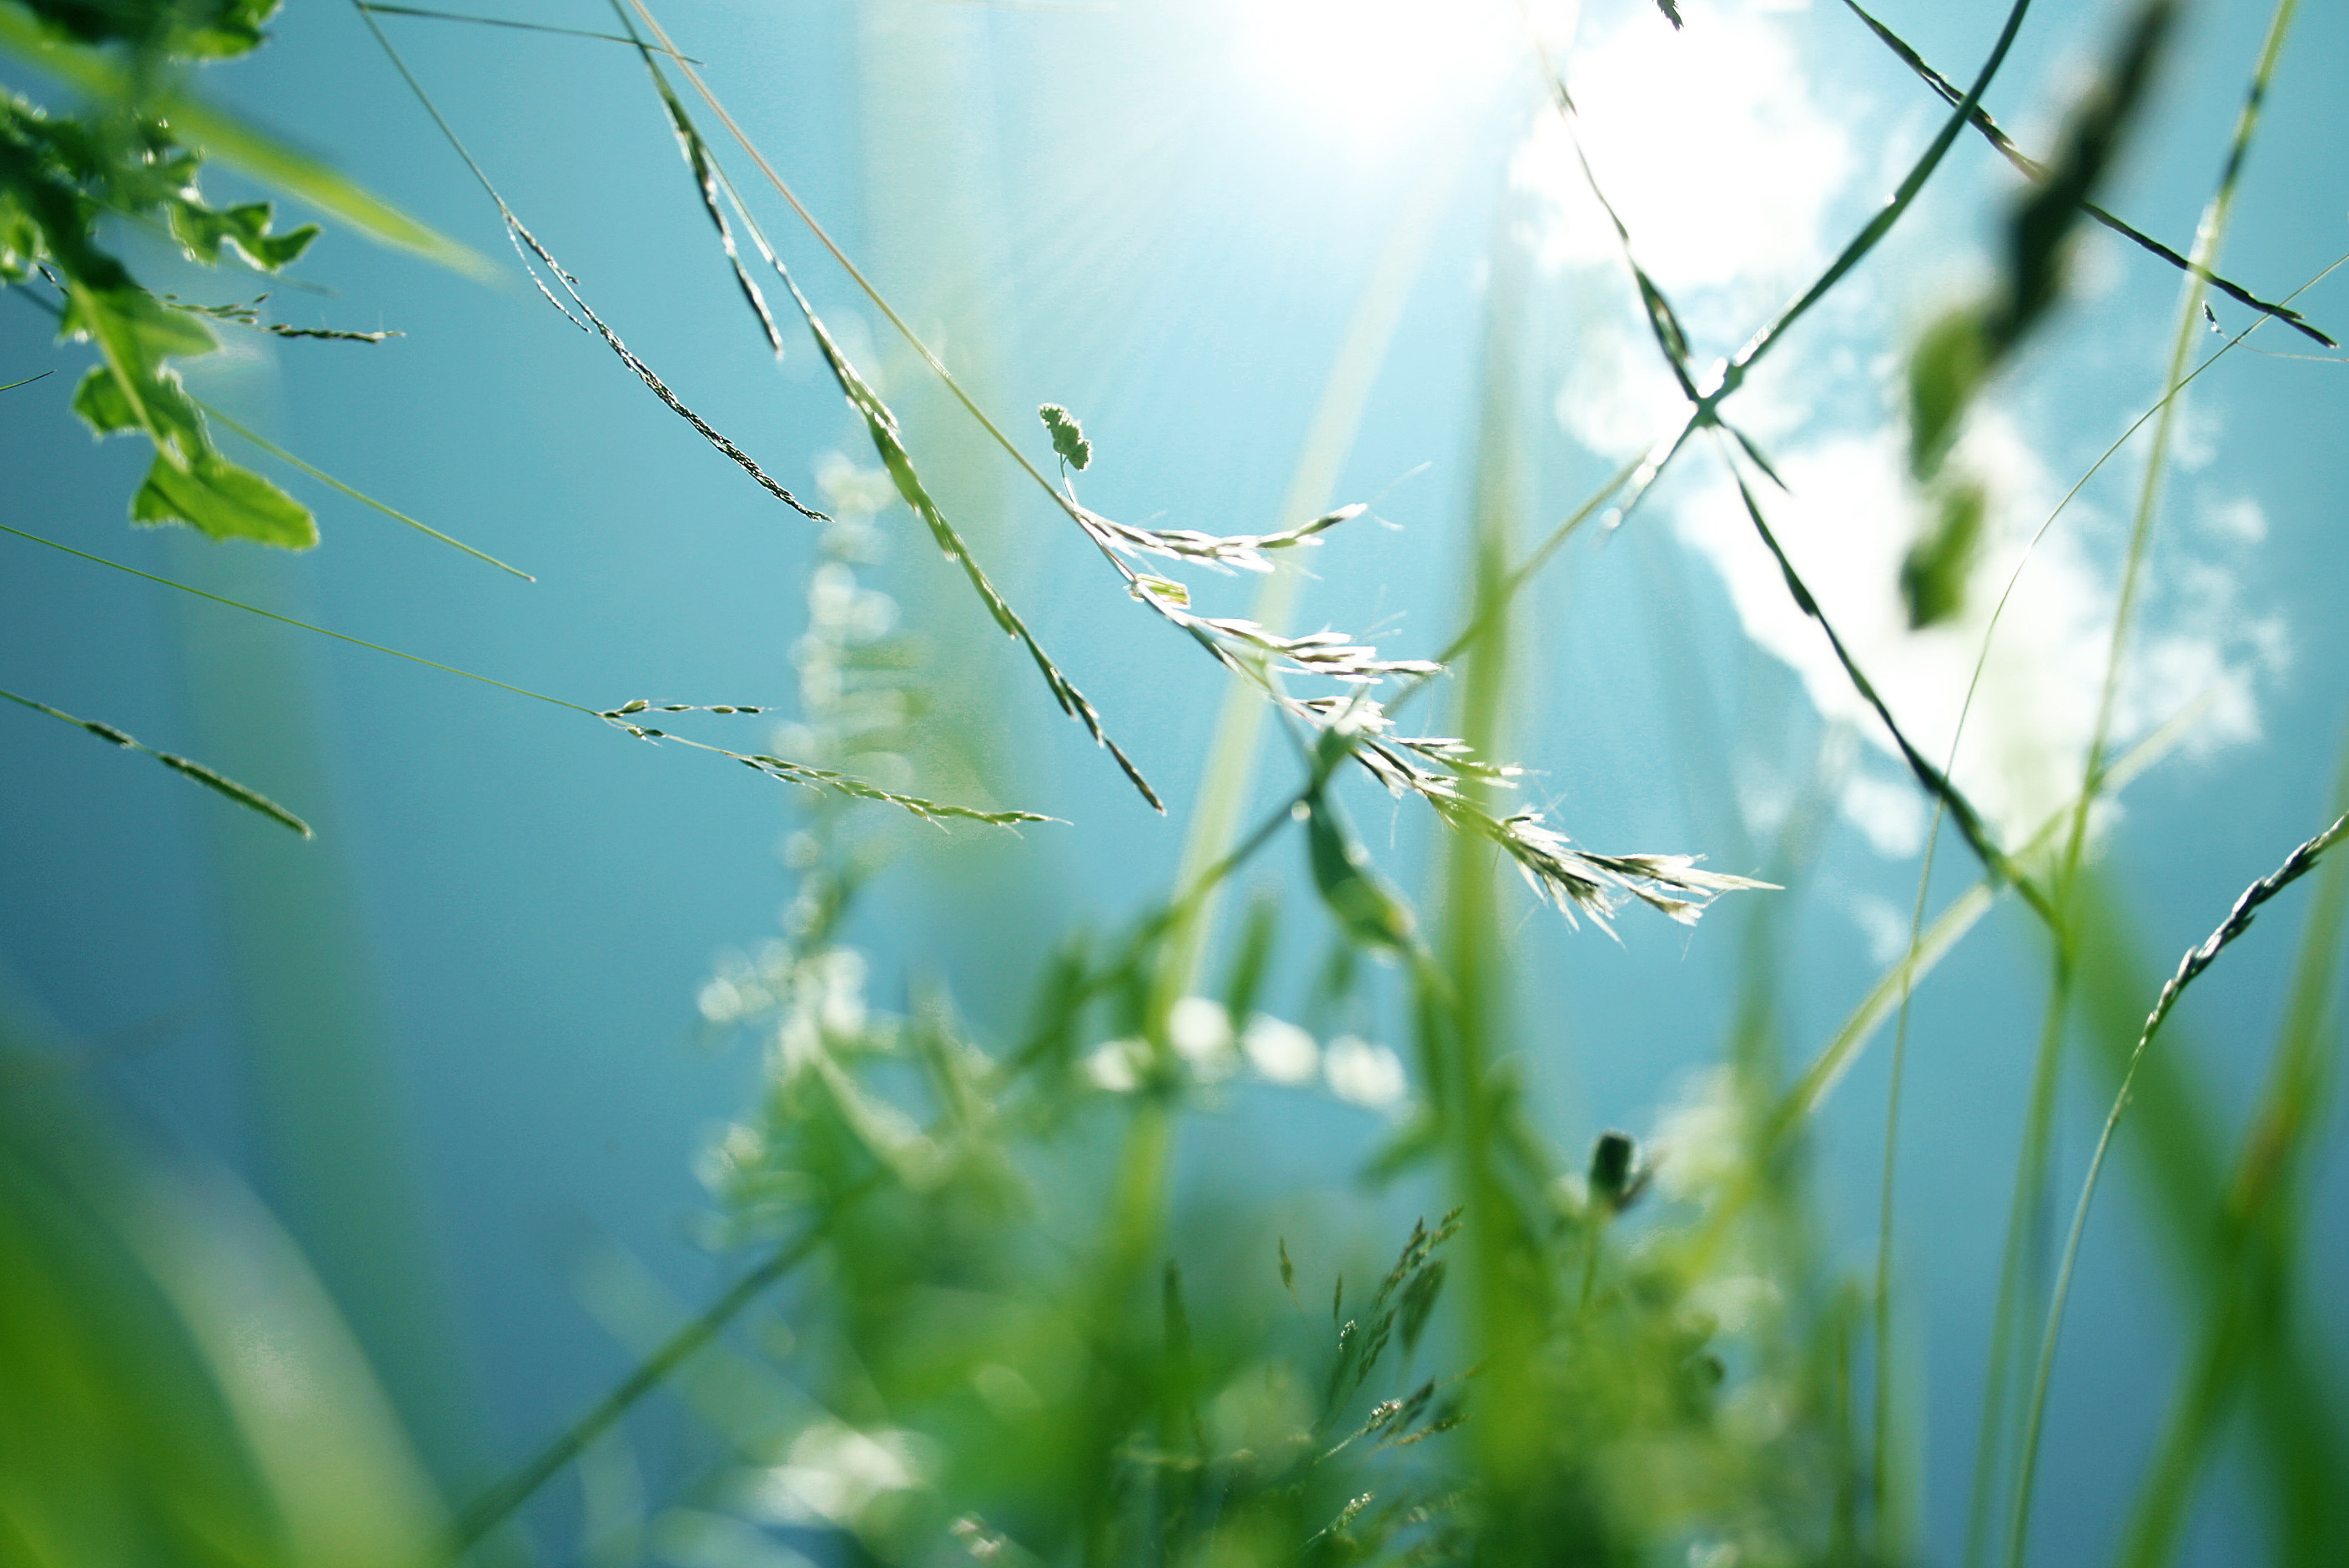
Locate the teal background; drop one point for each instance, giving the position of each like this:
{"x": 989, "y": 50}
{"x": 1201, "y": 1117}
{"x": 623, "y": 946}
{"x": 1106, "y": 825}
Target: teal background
{"x": 453, "y": 1042}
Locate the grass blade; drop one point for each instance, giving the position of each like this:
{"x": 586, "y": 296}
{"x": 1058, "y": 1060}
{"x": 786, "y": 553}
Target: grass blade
{"x": 324, "y": 477}
{"x": 220, "y": 783}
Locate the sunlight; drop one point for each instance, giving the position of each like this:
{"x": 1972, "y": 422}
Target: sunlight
{"x": 1375, "y": 68}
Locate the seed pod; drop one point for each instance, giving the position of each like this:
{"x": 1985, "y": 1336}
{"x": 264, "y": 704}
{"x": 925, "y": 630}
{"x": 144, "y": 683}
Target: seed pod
{"x": 1612, "y": 1159}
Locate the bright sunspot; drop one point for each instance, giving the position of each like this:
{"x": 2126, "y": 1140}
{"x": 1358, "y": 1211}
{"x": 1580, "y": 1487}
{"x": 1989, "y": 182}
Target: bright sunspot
{"x": 1376, "y": 69}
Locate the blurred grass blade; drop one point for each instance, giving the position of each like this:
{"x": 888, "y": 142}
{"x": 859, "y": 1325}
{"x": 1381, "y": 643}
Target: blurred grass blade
{"x": 224, "y": 134}
{"x": 179, "y": 1387}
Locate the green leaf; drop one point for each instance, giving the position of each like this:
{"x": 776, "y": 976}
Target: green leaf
{"x": 205, "y": 29}
{"x": 223, "y": 500}
{"x": 1365, "y": 909}
{"x": 1068, "y": 435}
{"x": 103, "y": 405}
{"x": 1934, "y": 576}
{"x": 1950, "y": 362}
{"x": 203, "y": 230}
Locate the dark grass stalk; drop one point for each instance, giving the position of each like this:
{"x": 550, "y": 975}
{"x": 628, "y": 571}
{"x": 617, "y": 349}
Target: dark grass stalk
{"x": 881, "y": 424}
{"x": 1733, "y": 375}
{"x": 1672, "y": 344}
{"x": 865, "y": 284}
{"x": 520, "y": 236}
{"x": 2035, "y": 170}
{"x": 1935, "y": 781}
{"x": 2197, "y": 959}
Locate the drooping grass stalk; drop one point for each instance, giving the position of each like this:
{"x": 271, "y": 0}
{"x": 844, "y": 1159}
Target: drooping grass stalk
{"x": 1337, "y": 416}
{"x": 526, "y": 245}
{"x": 2248, "y": 1327}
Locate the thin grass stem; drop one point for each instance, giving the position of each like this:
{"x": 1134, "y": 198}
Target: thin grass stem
{"x": 274, "y": 450}
{"x": 2197, "y": 959}
{"x": 496, "y": 1505}
{"x": 497, "y": 22}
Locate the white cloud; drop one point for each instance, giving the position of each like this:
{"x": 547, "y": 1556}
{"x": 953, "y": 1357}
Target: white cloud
{"x": 1726, "y": 163}
{"x": 1889, "y": 812}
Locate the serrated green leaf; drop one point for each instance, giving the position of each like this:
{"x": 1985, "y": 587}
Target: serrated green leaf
{"x": 223, "y": 500}
{"x": 204, "y": 229}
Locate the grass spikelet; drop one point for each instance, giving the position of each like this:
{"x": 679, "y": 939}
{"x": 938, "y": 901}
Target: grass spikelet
{"x": 219, "y": 783}
{"x": 526, "y": 246}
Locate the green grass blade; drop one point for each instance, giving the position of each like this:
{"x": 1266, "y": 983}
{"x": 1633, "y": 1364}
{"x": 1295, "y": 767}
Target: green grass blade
{"x": 499, "y": 22}
{"x": 324, "y": 477}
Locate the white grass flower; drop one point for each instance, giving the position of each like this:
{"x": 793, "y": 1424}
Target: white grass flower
{"x": 1201, "y": 1033}
{"x": 1280, "y": 1052}
{"x": 1364, "y": 1074}
{"x": 1116, "y": 1066}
